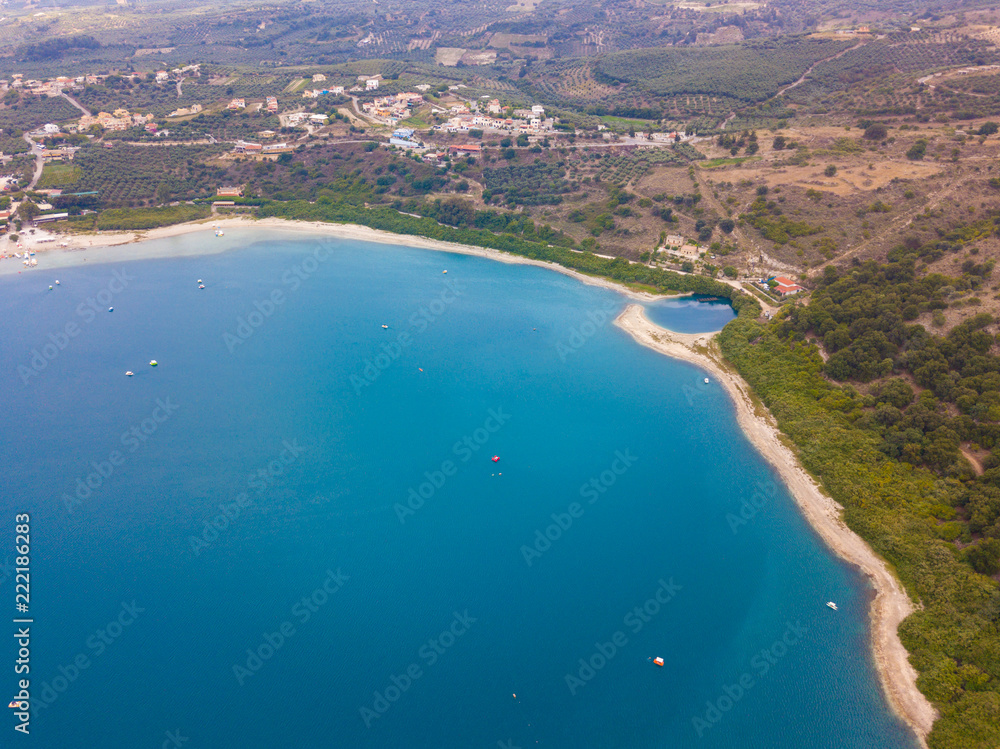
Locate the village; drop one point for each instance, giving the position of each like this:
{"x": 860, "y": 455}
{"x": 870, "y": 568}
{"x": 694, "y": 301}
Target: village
{"x": 420, "y": 122}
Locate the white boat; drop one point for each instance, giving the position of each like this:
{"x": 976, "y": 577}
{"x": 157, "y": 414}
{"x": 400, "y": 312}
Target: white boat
{"x": 832, "y": 605}
{"x": 706, "y": 380}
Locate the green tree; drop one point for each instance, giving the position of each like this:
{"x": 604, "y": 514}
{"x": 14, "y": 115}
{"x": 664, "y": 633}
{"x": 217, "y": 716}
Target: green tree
{"x": 985, "y": 556}
{"x": 917, "y": 150}
{"x": 877, "y": 131}
{"x": 28, "y": 210}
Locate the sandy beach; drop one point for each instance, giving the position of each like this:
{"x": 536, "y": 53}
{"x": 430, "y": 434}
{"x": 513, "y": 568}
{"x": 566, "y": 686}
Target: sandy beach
{"x": 891, "y": 604}
{"x": 117, "y": 246}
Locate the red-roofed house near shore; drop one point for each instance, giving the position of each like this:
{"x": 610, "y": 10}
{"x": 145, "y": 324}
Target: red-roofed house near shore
{"x": 786, "y": 286}
{"x": 470, "y": 148}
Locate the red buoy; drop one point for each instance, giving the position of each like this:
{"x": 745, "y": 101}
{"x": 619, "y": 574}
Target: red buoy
{"x": 496, "y": 458}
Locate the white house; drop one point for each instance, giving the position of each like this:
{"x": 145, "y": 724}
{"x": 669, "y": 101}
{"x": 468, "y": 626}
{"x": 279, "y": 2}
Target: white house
{"x": 371, "y": 84}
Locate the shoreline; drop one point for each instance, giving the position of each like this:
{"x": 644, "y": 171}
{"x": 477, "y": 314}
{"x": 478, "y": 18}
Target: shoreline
{"x": 108, "y": 240}
{"x": 891, "y": 603}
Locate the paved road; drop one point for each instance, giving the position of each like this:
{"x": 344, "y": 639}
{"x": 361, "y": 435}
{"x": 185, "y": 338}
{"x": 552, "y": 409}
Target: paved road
{"x": 39, "y": 161}
{"x": 75, "y": 103}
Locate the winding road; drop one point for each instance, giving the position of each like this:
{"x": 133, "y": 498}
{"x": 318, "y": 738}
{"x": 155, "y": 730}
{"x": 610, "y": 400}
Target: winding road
{"x": 800, "y": 81}
{"x": 812, "y": 67}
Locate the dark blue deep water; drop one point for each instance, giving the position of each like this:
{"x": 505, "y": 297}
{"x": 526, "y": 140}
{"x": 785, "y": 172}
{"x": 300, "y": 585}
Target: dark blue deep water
{"x": 300, "y": 538}
{"x": 688, "y": 315}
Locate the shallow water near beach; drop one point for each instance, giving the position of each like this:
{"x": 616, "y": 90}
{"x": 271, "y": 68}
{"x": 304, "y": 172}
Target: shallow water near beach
{"x": 292, "y": 531}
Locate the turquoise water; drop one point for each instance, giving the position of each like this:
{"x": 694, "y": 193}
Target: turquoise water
{"x": 424, "y": 612}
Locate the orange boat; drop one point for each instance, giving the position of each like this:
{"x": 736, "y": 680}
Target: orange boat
{"x": 658, "y": 661}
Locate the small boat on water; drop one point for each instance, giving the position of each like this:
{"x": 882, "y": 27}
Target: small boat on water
{"x": 832, "y": 605}
{"x": 385, "y": 327}
{"x": 496, "y": 458}
{"x": 14, "y": 704}
{"x": 706, "y": 380}
{"x": 129, "y": 373}
{"x": 152, "y": 363}
{"x": 201, "y": 286}
{"x": 657, "y": 661}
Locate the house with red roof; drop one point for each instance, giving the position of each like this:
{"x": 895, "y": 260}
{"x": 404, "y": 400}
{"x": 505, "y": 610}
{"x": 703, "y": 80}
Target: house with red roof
{"x": 786, "y": 286}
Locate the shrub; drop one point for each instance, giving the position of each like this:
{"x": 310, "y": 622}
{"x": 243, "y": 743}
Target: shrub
{"x": 876, "y": 131}
{"x": 132, "y": 219}
{"x": 917, "y": 150}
